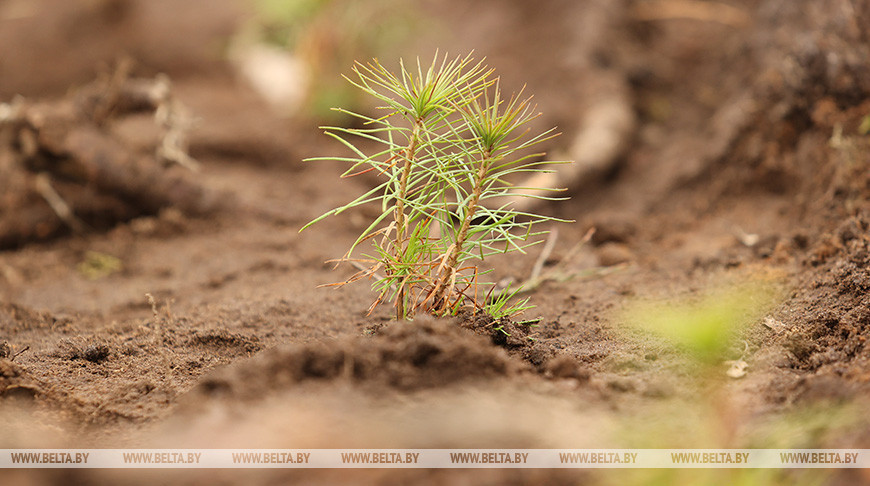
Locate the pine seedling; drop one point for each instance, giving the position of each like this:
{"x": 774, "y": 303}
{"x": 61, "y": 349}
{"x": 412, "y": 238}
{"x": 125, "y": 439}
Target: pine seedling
{"x": 450, "y": 142}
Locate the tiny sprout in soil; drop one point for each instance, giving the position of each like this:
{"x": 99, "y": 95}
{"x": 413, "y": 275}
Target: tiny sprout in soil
{"x": 449, "y": 141}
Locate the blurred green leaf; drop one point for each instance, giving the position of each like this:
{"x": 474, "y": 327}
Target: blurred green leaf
{"x": 706, "y": 325}
{"x": 97, "y": 265}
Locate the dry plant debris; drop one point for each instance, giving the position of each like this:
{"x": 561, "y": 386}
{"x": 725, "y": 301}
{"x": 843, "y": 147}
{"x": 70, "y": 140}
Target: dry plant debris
{"x": 66, "y": 169}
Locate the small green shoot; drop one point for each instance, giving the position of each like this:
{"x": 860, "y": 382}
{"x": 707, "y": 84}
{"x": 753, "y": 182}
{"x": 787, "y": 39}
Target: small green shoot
{"x": 97, "y": 265}
{"x": 705, "y": 327}
{"x": 500, "y": 306}
{"x": 450, "y": 142}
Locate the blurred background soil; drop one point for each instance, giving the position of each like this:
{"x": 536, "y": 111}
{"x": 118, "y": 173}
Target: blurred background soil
{"x": 740, "y": 154}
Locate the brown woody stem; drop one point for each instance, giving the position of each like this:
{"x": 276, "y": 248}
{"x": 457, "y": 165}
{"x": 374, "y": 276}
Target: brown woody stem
{"x": 399, "y": 214}
{"x": 441, "y": 299}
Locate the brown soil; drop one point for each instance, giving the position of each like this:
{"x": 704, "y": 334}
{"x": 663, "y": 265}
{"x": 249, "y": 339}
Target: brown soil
{"x": 750, "y": 128}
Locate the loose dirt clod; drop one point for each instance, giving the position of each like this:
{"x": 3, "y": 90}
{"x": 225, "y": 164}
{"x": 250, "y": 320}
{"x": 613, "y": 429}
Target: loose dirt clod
{"x": 15, "y": 383}
{"x": 96, "y": 353}
{"x": 221, "y": 338}
{"x": 424, "y": 353}
{"x": 565, "y": 366}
